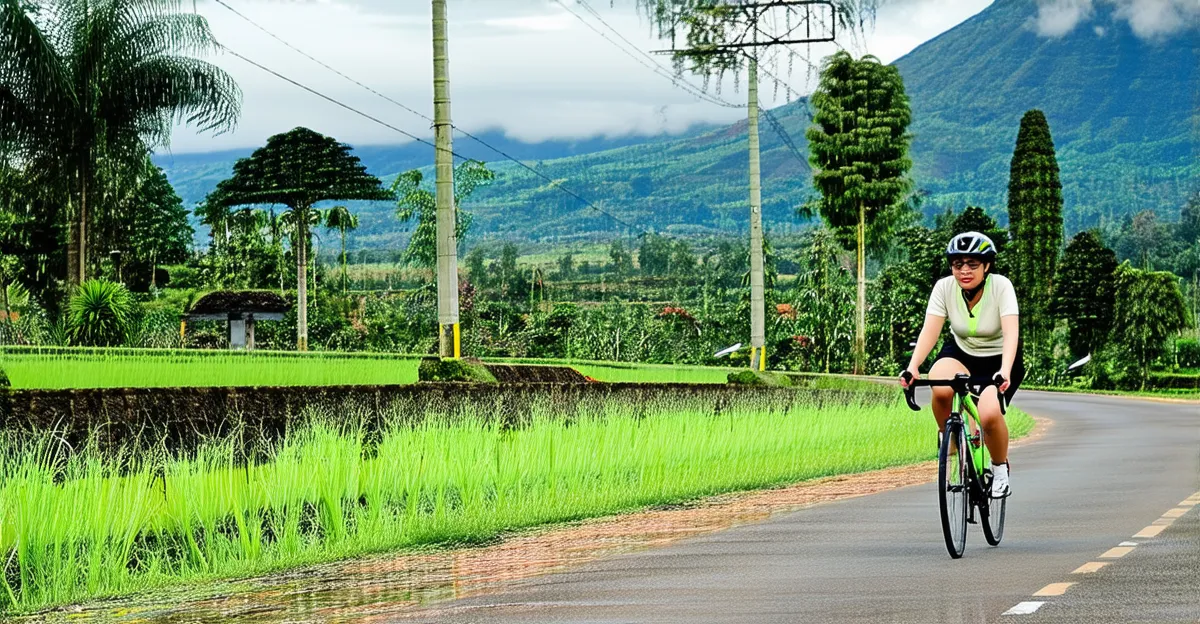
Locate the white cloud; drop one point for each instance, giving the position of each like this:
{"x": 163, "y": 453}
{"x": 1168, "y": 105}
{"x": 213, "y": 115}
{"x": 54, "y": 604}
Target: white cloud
{"x": 1056, "y": 18}
{"x": 527, "y": 67}
{"x": 1149, "y": 19}
{"x": 1152, "y": 19}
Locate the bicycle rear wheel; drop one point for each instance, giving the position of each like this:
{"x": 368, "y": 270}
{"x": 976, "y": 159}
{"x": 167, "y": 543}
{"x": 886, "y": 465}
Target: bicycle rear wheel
{"x": 953, "y": 488}
{"x": 991, "y": 516}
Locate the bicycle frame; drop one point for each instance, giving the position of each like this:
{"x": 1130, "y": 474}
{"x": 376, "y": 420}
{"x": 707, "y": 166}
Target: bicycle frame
{"x": 963, "y": 403}
{"x": 979, "y": 455}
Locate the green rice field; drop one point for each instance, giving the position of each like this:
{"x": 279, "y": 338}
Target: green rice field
{"x": 79, "y": 526}
{"x": 140, "y": 368}
{"x": 120, "y": 368}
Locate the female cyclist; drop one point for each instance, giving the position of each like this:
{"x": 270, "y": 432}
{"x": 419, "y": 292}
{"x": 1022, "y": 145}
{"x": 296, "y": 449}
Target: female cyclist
{"x": 982, "y": 308}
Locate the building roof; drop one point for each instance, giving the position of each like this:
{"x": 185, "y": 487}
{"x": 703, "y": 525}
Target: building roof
{"x": 240, "y": 301}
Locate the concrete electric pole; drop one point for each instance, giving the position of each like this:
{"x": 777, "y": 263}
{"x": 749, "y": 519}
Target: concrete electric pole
{"x": 447, "y": 241}
{"x": 748, "y": 20}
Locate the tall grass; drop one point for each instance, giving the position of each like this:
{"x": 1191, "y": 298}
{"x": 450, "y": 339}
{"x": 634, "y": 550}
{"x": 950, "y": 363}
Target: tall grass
{"x": 78, "y": 526}
{"x": 119, "y": 368}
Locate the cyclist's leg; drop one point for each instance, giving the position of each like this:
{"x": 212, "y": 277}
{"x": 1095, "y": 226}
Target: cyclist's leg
{"x": 995, "y": 430}
{"x": 943, "y": 397}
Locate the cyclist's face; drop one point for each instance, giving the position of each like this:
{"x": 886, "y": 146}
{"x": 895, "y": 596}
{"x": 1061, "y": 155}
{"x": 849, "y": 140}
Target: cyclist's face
{"x": 968, "y": 271}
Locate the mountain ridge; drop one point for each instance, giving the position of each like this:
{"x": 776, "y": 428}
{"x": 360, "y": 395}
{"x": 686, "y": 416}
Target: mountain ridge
{"x": 1123, "y": 114}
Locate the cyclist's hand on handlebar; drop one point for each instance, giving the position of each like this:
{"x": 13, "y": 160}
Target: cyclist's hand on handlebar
{"x": 909, "y": 376}
{"x": 1002, "y": 381}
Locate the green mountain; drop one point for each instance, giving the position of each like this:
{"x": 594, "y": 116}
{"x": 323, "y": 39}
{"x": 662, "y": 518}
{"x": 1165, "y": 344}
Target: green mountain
{"x": 1123, "y": 112}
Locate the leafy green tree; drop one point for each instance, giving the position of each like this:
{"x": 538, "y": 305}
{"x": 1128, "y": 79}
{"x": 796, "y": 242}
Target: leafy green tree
{"x": 414, "y": 201}
{"x": 824, "y": 299}
{"x": 298, "y": 169}
{"x": 148, "y": 225}
{"x": 621, "y": 260}
{"x": 902, "y": 291}
{"x": 88, "y": 86}
{"x": 1189, "y": 220}
{"x": 100, "y": 312}
{"x": 1146, "y": 241}
{"x": 683, "y": 261}
{"x": 566, "y": 266}
{"x": 859, "y": 152}
{"x": 1035, "y": 222}
{"x": 1149, "y": 308}
{"x": 1083, "y": 292}
{"x": 974, "y": 219}
{"x": 476, "y": 267}
{"x": 654, "y": 255}
{"x": 506, "y": 267}
{"x": 341, "y": 219}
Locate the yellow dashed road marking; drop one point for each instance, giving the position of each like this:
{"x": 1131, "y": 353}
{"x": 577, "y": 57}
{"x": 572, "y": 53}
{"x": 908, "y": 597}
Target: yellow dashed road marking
{"x": 1163, "y": 522}
{"x": 1175, "y": 513}
{"x": 1088, "y": 568}
{"x": 1117, "y": 553}
{"x": 1054, "y": 589}
{"x": 1150, "y": 531}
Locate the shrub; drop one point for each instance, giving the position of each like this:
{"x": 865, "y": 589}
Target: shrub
{"x": 754, "y": 378}
{"x": 99, "y": 313}
{"x": 437, "y": 369}
{"x": 1187, "y": 353}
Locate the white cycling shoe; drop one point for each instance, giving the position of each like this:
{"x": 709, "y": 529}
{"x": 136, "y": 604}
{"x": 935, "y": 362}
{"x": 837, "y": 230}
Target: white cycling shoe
{"x": 1000, "y": 485}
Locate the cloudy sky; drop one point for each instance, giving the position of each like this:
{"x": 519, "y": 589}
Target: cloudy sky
{"x": 533, "y": 68}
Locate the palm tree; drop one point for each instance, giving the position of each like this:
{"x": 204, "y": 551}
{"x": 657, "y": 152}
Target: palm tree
{"x": 341, "y": 219}
{"x": 89, "y": 86}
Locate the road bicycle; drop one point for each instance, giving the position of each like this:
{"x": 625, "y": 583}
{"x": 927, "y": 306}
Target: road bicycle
{"x": 964, "y": 478}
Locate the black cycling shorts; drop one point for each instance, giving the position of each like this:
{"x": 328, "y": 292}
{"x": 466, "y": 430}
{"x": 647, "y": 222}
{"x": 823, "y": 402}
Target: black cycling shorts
{"x": 984, "y": 368}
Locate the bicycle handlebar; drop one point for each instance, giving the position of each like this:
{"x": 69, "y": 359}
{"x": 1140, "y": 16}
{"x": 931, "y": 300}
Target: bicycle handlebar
{"x": 961, "y": 385}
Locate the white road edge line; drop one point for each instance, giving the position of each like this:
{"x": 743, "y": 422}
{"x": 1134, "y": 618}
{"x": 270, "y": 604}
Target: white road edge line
{"x": 1025, "y": 608}
{"x": 1127, "y": 544}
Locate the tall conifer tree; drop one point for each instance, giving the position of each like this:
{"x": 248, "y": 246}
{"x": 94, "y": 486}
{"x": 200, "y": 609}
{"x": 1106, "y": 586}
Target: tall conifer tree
{"x": 1035, "y": 223}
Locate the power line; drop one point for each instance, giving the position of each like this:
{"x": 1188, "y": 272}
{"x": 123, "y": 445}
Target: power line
{"x": 537, "y": 173}
{"x": 335, "y": 101}
{"x": 654, "y": 65}
{"x": 784, "y": 136}
{"x": 317, "y": 61}
{"x": 658, "y": 68}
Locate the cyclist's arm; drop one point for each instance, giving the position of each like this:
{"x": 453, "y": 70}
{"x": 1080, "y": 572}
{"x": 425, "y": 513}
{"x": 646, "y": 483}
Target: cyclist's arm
{"x": 927, "y": 340}
{"x": 1011, "y": 328}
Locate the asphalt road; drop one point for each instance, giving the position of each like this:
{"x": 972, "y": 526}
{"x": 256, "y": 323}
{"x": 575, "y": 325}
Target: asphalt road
{"x": 1108, "y": 469}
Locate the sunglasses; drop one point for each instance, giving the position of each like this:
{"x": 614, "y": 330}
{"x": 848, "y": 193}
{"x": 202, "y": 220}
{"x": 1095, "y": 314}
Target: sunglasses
{"x": 969, "y": 264}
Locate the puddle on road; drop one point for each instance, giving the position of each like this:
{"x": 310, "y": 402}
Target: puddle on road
{"x": 389, "y": 586}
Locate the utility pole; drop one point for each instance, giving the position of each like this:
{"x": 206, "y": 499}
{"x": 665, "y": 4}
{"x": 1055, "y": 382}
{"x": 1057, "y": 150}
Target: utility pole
{"x": 447, "y": 241}
{"x": 758, "y": 313}
{"x": 747, "y": 19}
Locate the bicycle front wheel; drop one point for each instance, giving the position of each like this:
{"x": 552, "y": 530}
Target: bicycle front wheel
{"x": 992, "y": 519}
{"x": 952, "y": 488}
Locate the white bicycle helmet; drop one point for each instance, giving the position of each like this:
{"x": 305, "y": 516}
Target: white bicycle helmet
{"x": 972, "y": 244}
